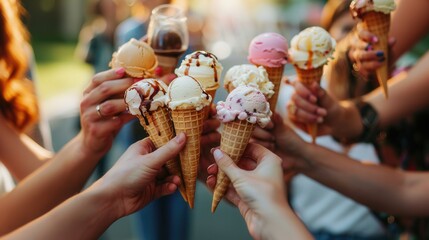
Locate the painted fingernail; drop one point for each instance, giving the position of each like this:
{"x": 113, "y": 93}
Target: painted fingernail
{"x": 217, "y": 154}
{"x": 158, "y": 71}
{"x": 319, "y": 120}
{"x": 180, "y": 138}
{"x": 120, "y": 72}
{"x": 380, "y": 54}
{"x": 210, "y": 167}
{"x": 374, "y": 39}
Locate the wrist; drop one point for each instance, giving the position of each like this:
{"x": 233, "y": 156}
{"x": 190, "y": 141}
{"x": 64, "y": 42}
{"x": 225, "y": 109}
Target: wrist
{"x": 108, "y": 201}
{"x": 349, "y": 117}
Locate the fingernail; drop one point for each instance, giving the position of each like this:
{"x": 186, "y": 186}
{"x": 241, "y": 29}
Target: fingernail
{"x": 120, "y": 72}
{"x": 158, "y": 71}
{"x": 210, "y": 167}
{"x": 380, "y": 53}
{"x": 374, "y": 39}
{"x": 217, "y": 154}
{"x": 319, "y": 120}
{"x": 180, "y": 138}
{"x": 313, "y": 99}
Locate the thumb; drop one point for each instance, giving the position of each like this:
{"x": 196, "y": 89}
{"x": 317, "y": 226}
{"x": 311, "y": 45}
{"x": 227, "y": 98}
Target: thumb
{"x": 226, "y": 164}
{"x": 167, "y": 152}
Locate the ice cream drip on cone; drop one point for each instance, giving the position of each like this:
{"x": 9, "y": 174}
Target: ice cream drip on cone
{"x": 186, "y": 99}
{"x": 205, "y": 68}
{"x": 375, "y": 15}
{"x": 244, "y": 107}
{"x": 146, "y": 100}
{"x": 310, "y": 51}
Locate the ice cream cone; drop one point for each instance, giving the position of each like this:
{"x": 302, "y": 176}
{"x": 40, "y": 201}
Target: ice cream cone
{"x": 235, "y": 137}
{"x": 378, "y": 23}
{"x": 212, "y": 93}
{"x": 275, "y": 75}
{"x": 308, "y": 77}
{"x": 160, "y": 129}
{"x": 189, "y": 121}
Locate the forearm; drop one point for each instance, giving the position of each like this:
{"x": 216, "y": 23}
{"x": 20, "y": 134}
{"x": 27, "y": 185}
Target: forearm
{"x": 284, "y": 224}
{"x": 407, "y": 94}
{"x": 50, "y": 185}
{"x": 409, "y": 24}
{"x": 84, "y": 216}
{"x": 379, "y": 187}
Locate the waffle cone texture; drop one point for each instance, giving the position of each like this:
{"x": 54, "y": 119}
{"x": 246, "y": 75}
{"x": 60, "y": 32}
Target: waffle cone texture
{"x": 308, "y": 77}
{"x": 234, "y": 139}
{"x": 160, "y": 130}
{"x": 275, "y": 75}
{"x": 190, "y": 122}
{"x": 379, "y": 23}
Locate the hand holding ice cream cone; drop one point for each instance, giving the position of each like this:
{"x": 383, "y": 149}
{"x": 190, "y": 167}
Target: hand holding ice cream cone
{"x": 375, "y": 15}
{"x": 243, "y": 108}
{"x": 309, "y": 52}
{"x": 146, "y": 100}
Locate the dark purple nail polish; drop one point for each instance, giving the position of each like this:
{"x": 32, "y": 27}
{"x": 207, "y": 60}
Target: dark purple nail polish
{"x": 380, "y": 54}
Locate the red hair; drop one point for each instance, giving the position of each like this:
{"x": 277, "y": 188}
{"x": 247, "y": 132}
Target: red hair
{"x": 18, "y": 103}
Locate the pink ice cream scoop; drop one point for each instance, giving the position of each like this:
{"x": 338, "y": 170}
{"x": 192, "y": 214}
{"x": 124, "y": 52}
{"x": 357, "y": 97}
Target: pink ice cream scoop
{"x": 269, "y": 50}
{"x": 245, "y": 103}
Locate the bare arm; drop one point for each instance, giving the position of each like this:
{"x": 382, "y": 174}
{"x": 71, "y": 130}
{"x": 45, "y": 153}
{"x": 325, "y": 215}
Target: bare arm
{"x": 131, "y": 184}
{"x": 65, "y": 174}
{"x": 408, "y": 94}
{"x": 379, "y": 187}
{"x": 409, "y": 23}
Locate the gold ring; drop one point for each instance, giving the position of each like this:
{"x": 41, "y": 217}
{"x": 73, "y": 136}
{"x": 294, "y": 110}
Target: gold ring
{"x": 356, "y": 67}
{"x": 98, "y": 108}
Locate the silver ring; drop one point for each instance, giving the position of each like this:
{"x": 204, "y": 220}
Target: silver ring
{"x": 98, "y": 108}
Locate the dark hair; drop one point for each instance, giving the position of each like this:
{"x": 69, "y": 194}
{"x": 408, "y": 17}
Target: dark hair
{"x": 18, "y": 103}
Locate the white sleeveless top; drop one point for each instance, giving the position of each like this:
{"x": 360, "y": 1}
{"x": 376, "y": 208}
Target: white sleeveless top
{"x": 6, "y": 180}
{"x": 321, "y": 208}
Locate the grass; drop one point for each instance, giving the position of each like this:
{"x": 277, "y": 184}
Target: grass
{"x": 58, "y": 70}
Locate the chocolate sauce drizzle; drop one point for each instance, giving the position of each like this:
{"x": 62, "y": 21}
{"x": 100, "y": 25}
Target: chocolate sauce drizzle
{"x": 196, "y": 56}
{"x": 147, "y": 99}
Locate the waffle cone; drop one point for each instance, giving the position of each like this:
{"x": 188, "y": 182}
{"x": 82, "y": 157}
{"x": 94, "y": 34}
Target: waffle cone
{"x": 275, "y": 75}
{"x": 160, "y": 129}
{"x": 212, "y": 93}
{"x": 190, "y": 122}
{"x": 308, "y": 77}
{"x": 235, "y": 137}
{"x": 379, "y": 23}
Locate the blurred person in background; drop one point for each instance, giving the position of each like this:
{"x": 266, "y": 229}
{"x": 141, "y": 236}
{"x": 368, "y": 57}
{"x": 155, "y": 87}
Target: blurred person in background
{"x": 46, "y": 179}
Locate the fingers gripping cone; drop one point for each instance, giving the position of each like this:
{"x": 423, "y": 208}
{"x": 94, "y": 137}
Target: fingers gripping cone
{"x": 189, "y": 121}
{"x": 160, "y": 129}
{"x": 378, "y": 23}
{"x": 308, "y": 77}
{"x": 235, "y": 137}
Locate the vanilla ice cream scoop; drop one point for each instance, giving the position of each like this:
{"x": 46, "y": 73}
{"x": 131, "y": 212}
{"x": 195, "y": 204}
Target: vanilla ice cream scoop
{"x": 311, "y": 48}
{"x": 145, "y": 96}
{"x": 137, "y": 57}
{"x": 202, "y": 66}
{"x": 248, "y": 74}
{"x": 245, "y": 103}
{"x": 186, "y": 93}
{"x": 359, "y": 7}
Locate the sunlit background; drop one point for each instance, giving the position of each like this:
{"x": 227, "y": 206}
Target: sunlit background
{"x": 223, "y": 27}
